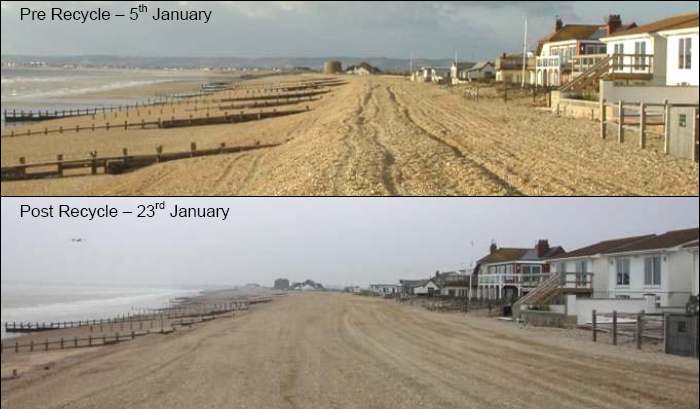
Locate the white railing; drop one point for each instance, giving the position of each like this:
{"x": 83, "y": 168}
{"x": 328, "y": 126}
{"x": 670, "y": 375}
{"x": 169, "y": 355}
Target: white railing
{"x": 554, "y": 61}
{"x": 567, "y": 280}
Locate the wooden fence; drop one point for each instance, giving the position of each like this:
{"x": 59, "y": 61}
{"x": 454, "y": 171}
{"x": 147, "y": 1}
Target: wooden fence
{"x": 625, "y": 328}
{"x": 506, "y": 92}
{"x": 637, "y": 116}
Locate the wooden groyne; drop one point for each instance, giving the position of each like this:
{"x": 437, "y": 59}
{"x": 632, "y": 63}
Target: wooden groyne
{"x": 112, "y": 165}
{"x": 276, "y": 96}
{"x": 160, "y": 123}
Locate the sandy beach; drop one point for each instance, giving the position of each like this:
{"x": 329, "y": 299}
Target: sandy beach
{"x": 373, "y": 136}
{"x": 321, "y": 350}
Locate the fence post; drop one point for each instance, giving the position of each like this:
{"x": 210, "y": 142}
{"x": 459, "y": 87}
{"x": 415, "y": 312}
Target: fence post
{"x": 640, "y": 329}
{"x": 93, "y": 165}
{"x": 614, "y": 328}
{"x": 695, "y": 134}
{"x": 59, "y": 159}
{"x": 667, "y": 127}
{"x": 193, "y": 149}
{"x": 621, "y": 122}
{"x": 603, "y": 119}
{"x": 642, "y": 126}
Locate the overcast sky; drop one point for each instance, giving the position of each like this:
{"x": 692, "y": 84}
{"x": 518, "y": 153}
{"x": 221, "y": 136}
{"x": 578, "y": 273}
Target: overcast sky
{"x": 474, "y": 29}
{"x": 334, "y": 241}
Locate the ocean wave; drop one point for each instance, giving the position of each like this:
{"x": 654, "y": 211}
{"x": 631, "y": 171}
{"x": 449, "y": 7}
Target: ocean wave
{"x": 69, "y": 91}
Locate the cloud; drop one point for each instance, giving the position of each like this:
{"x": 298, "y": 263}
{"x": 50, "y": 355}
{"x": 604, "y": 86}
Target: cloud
{"x": 266, "y": 9}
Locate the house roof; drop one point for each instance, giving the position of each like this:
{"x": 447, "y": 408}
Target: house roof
{"x": 671, "y": 23}
{"x": 413, "y": 283}
{"x": 663, "y": 241}
{"x": 603, "y": 246}
{"x": 480, "y": 66}
{"x": 692, "y": 245}
{"x": 572, "y": 32}
{"x": 504, "y": 254}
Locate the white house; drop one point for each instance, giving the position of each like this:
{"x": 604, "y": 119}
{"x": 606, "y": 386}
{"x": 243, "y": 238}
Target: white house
{"x": 692, "y": 248}
{"x": 427, "y": 288}
{"x": 682, "y": 53}
{"x": 510, "y": 273}
{"x": 642, "y": 52}
{"x": 385, "y": 289}
{"x": 484, "y": 70}
{"x": 633, "y": 267}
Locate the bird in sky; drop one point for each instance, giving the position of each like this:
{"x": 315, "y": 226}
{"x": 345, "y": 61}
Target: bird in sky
{"x": 78, "y": 240}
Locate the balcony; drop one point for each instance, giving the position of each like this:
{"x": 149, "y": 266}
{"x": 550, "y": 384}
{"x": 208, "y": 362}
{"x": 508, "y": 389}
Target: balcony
{"x": 566, "y": 281}
{"x": 554, "y": 61}
{"x": 517, "y": 280}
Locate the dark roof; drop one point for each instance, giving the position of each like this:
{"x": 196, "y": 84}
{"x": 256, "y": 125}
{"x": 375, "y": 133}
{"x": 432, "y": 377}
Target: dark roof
{"x": 603, "y": 246}
{"x": 413, "y": 283}
{"x": 573, "y": 32}
{"x": 671, "y": 23}
{"x": 664, "y": 241}
{"x": 504, "y": 254}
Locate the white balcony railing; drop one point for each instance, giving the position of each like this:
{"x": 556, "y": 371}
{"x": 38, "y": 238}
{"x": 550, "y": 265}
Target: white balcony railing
{"x": 567, "y": 280}
{"x": 554, "y": 61}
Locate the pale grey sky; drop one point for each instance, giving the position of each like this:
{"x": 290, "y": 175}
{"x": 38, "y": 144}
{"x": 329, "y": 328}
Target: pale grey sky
{"x": 474, "y": 29}
{"x": 335, "y": 241}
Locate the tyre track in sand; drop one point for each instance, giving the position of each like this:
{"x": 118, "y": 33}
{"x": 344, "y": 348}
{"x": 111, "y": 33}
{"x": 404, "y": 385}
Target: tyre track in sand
{"x": 482, "y": 170}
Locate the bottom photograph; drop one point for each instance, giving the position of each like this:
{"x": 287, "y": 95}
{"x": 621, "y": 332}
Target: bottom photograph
{"x": 443, "y": 303}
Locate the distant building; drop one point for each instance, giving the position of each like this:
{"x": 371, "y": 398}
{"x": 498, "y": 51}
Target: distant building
{"x": 281, "y": 284}
{"x": 332, "y": 67}
{"x": 458, "y": 72}
{"x": 509, "y": 69}
{"x": 307, "y": 286}
{"x": 385, "y": 289}
{"x": 482, "y": 71}
{"x": 362, "y": 69}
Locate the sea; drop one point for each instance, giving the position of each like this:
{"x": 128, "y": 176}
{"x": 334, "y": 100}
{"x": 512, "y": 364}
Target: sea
{"x": 52, "y": 88}
{"x": 22, "y": 302}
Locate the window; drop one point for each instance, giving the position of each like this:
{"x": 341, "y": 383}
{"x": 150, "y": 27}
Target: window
{"x": 560, "y": 267}
{"x": 652, "y": 271}
{"x": 619, "y": 61}
{"x": 640, "y": 52}
{"x": 685, "y": 53}
{"x": 623, "y": 271}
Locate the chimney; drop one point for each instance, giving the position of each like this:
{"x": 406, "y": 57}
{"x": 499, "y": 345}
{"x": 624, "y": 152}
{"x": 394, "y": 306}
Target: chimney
{"x": 493, "y": 248}
{"x": 614, "y": 23}
{"x": 437, "y": 274}
{"x": 559, "y": 24}
{"x": 542, "y": 248}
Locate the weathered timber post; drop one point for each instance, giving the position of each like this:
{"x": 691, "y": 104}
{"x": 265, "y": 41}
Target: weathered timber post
{"x": 75, "y": 342}
{"x": 193, "y": 149}
{"x": 62, "y": 343}
{"x": 93, "y": 164}
{"x": 46, "y": 345}
{"x": 621, "y": 122}
{"x": 642, "y": 126}
{"x": 695, "y": 135}
{"x": 159, "y": 152}
{"x": 143, "y": 124}
{"x": 667, "y": 127}
{"x": 126, "y": 125}
{"x": 60, "y": 129}
{"x": 614, "y": 328}
{"x": 595, "y": 326}
{"x": 107, "y": 126}
{"x": 31, "y": 346}
{"x": 640, "y": 329}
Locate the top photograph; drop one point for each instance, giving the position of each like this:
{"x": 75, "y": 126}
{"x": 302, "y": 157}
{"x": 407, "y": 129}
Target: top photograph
{"x": 316, "y": 98}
